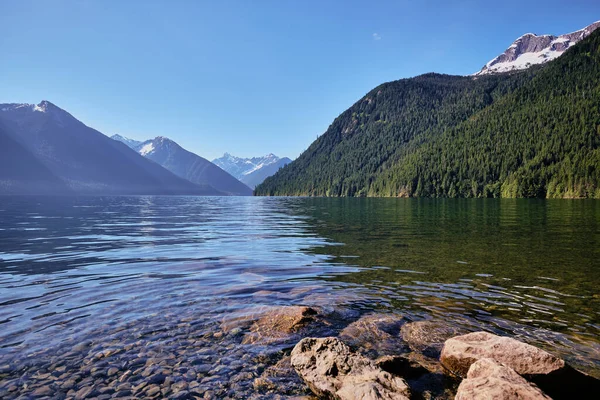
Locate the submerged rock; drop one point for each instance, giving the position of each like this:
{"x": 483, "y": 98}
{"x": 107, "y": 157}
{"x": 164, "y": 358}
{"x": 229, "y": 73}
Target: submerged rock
{"x": 279, "y": 323}
{"x": 460, "y": 352}
{"x": 375, "y": 335}
{"x": 280, "y": 378}
{"x": 240, "y": 320}
{"x": 428, "y": 337}
{"x": 332, "y": 370}
{"x": 488, "y": 379}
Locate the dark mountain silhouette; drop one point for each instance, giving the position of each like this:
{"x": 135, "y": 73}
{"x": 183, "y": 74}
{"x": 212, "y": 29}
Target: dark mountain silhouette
{"x": 22, "y": 173}
{"x": 85, "y": 160}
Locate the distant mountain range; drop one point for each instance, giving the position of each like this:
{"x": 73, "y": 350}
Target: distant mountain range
{"x": 531, "y": 49}
{"x": 251, "y": 171}
{"x": 529, "y": 133}
{"x": 186, "y": 164}
{"x": 45, "y": 150}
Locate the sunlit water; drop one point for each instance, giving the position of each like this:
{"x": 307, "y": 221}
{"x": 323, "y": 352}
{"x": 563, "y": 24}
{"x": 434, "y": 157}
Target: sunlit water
{"x": 160, "y": 274}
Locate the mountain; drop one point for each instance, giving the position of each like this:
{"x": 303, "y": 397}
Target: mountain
{"x": 535, "y": 133}
{"x": 186, "y": 164}
{"x": 531, "y": 49}
{"x": 22, "y": 173}
{"x": 131, "y": 143}
{"x": 251, "y": 171}
{"x": 54, "y": 152}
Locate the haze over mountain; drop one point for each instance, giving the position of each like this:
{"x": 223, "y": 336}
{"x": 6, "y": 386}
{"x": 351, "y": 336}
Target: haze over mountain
{"x": 47, "y": 150}
{"x": 252, "y": 171}
{"x": 22, "y": 173}
{"x": 531, "y": 49}
{"x": 186, "y": 164}
{"x": 534, "y": 133}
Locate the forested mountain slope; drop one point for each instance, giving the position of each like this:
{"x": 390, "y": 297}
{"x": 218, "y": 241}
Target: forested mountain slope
{"x": 529, "y": 134}
{"x": 542, "y": 140}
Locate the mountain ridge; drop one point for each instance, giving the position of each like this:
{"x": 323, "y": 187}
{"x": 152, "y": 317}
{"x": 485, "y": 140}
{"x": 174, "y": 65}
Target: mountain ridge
{"x": 185, "y": 164}
{"x": 251, "y": 171}
{"x": 82, "y": 158}
{"x": 531, "y": 49}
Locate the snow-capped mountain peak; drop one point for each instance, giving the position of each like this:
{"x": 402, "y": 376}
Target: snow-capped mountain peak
{"x": 43, "y": 106}
{"x": 531, "y": 49}
{"x": 251, "y": 171}
{"x": 131, "y": 143}
{"x": 186, "y": 164}
{"x": 41, "y": 111}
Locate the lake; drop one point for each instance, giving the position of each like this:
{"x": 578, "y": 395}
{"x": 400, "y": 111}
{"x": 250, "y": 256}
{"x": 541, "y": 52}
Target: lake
{"x": 92, "y": 287}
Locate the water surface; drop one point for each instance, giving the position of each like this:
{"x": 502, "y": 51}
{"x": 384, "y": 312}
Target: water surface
{"x": 161, "y": 273}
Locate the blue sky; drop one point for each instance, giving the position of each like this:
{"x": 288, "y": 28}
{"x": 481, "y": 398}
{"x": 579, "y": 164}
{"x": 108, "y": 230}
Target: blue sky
{"x": 247, "y": 77}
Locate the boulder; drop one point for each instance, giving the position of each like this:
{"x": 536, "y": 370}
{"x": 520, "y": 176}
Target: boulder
{"x": 548, "y": 372}
{"x": 488, "y": 379}
{"x": 332, "y": 370}
{"x": 279, "y": 324}
{"x": 460, "y": 352}
{"x": 375, "y": 335}
{"x": 428, "y": 337}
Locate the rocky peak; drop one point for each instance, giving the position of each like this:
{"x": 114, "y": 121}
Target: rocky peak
{"x": 531, "y": 49}
{"x": 37, "y": 112}
{"x": 44, "y": 106}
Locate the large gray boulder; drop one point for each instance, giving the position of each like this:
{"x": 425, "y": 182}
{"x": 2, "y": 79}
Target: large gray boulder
{"x": 460, "y": 352}
{"x": 332, "y": 370}
{"x": 488, "y": 379}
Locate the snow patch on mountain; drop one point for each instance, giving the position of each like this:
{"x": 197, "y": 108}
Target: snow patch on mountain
{"x": 41, "y": 107}
{"x": 531, "y": 49}
{"x": 147, "y": 148}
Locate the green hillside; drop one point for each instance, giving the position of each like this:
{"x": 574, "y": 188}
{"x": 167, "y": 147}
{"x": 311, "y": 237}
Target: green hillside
{"x": 530, "y": 134}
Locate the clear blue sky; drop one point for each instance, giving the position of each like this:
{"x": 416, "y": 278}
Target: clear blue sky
{"x": 247, "y": 77}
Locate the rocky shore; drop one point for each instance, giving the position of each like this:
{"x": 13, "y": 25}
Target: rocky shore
{"x": 477, "y": 365}
{"x": 295, "y": 352}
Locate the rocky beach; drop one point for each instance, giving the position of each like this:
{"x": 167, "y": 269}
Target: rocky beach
{"x": 296, "y": 352}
